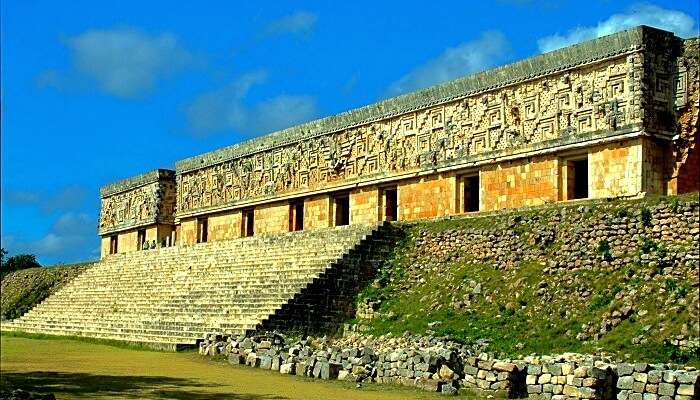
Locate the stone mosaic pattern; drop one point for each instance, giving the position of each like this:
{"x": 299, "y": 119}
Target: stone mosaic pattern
{"x": 143, "y": 200}
{"x": 599, "y": 99}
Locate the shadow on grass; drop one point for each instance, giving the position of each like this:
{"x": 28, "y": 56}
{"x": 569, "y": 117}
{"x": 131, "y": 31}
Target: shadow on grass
{"x": 128, "y": 387}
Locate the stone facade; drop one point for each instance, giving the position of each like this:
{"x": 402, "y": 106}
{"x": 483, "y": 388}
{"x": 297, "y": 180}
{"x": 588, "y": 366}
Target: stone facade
{"x": 143, "y": 203}
{"x": 621, "y": 110}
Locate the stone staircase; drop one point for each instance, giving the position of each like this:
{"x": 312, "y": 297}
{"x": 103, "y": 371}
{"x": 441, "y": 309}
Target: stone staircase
{"x": 173, "y": 297}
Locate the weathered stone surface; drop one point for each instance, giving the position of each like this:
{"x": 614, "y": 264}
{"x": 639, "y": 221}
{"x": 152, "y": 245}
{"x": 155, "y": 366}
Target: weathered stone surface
{"x": 625, "y": 382}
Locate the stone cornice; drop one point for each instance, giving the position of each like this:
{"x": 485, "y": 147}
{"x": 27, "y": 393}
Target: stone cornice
{"x": 136, "y": 181}
{"x": 625, "y": 42}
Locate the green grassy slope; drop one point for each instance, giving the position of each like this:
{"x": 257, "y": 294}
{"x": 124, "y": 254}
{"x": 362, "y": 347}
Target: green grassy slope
{"x": 21, "y": 290}
{"x": 529, "y": 308}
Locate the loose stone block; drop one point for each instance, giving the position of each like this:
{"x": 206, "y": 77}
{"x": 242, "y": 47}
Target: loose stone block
{"x": 666, "y": 389}
{"x": 504, "y": 367}
{"x": 534, "y": 388}
{"x": 640, "y": 377}
{"x": 534, "y": 369}
{"x": 654, "y": 376}
{"x": 685, "y": 390}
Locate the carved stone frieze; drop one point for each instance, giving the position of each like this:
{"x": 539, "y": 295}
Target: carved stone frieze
{"x": 141, "y": 200}
{"x": 554, "y": 109}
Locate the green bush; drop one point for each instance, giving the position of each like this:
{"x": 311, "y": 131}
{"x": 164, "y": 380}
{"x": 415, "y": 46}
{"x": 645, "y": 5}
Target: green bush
{"x": 16, "y": 262}
{"x": 646, "y": 217}
{"x": 647, "y": 245}
{"x": 604, "y": 250}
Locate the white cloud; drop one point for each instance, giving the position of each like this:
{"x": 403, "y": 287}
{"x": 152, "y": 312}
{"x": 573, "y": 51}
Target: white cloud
{"x": 72, "y": 237}
{"x": 490, "y": 49}
{"x": 300, "y": 22}
{"x": 123, "y": 62}
{"x": 680, "y": 23}
{"x": 66, "y": 198}
{"x": 225, "y": 109}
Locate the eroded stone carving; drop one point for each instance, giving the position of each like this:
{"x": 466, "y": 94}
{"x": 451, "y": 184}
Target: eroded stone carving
{"x": 145, "y": 199}
{"x": 595, "y": 98}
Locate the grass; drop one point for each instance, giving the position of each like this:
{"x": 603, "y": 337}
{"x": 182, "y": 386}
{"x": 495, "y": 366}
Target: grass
{"x": 23, "y": 289}
{"x": 106, "y": 342}
{"x": 420, "y": 292}
{"x": 78, "y": 370}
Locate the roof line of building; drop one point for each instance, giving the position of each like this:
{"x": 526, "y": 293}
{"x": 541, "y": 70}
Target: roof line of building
{"x": 136, "y": 181}
{"x": 593, "y": 50}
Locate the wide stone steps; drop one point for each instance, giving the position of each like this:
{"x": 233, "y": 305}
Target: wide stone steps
{"x": 179, "y": 294}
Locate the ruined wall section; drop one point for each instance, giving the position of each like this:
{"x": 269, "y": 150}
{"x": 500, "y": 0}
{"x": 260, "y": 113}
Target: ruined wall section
{"x": 143, "y": 200}
{"x": 570, "y": 97}
{"x": 685, "y": 158}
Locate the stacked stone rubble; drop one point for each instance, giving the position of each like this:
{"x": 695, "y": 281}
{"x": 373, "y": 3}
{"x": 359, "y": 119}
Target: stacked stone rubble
{"x": 571, "y": 379}
{"x": 438, "y": 365}
{"x": 656, "y": 382}
{"x": 492, "y": 375}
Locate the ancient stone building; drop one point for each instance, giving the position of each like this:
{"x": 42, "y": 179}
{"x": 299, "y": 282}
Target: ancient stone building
{"x": 612, "y": 117}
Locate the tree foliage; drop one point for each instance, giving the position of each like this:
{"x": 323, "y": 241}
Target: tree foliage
{"x": 16, "y": 262}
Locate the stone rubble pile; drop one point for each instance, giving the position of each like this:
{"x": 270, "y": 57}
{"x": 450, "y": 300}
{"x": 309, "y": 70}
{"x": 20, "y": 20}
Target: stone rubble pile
{"x": 656, "y": 382}
{"x": 439, "y": 365}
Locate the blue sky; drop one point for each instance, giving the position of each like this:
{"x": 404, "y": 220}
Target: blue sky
{"x": 97, "y": 91}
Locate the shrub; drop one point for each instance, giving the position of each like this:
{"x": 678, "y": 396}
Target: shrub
{"x": 621, "y": 213}
{"x": 646, "y": 217}
{"x": 675, "y": 203}
{"x": 604, "y": 250}
{"x": 17, "y": 262}
{"x": 647, "y": 245}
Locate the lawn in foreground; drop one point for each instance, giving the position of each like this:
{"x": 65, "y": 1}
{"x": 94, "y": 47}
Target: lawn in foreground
{"x": 73, "y": 369}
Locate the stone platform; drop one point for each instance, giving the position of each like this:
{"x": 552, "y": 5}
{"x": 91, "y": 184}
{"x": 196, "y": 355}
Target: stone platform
{"x": 172, "y": 297}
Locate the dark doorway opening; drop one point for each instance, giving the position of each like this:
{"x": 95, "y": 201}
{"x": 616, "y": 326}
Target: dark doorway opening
{"x": 296, "y": 216}
{"x": 202, "y": 230}
{"x": 391, "y": 204}
{"x": 342, "y": 210}
{"x": 580, "y": 179}
{"x": 140, "y": 238}
{"x": 113, "y": 242}
{"x": 248, "y": 223}
{"x": 471, "y": 194}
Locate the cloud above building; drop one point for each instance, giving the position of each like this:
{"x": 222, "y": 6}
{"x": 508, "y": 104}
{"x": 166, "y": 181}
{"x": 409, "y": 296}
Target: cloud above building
{"x": 66, "y": 241}
{"x": 299, "y": 22}
{"x": 124, "y": 62}
{"x": 225, "y": 109}
{"x": 66, "y": 198}
{"x": 488, "y": 50}
{"x": 680, "y": 23}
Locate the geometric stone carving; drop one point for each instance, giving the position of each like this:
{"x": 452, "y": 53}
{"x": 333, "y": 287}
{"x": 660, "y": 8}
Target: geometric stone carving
{"x": 141, "y": 200}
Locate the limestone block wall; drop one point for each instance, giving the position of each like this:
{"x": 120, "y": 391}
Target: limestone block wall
{"x": 655, "y": 160}
{"x": 271, "y": 218}
{"x": 317, "y": 212}
{"x": 364, "y": 206}
{"x": 427, "y": 197}
{"x": 224, "y": 226}
{"x": 188, "y": 231}
{"x": 616, "y": 169}
{"x": 520, "y": 183}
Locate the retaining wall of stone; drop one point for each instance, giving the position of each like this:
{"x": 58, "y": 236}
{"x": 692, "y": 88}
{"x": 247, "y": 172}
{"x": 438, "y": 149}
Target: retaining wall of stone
{"x": 439, "y": 365}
